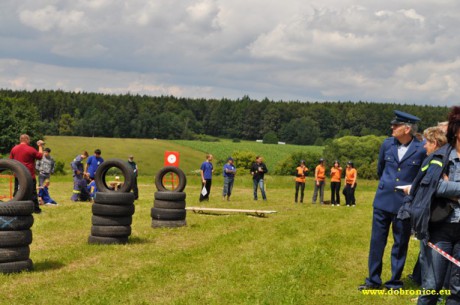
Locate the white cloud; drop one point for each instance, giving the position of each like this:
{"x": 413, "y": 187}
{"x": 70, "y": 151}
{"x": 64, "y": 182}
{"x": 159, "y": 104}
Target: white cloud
{"x": 296, "y": 49}
{"x": 50, "y": 17}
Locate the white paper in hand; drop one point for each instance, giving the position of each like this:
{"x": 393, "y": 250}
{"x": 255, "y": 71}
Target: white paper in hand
{"x": 403, "y": 187}
{"x": 204, "y": 191}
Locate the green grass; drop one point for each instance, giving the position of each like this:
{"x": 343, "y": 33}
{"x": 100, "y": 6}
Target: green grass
{"x": 304, "y": 254}
{"x": 272, "y": 153}
{"x": 148, "y": 153}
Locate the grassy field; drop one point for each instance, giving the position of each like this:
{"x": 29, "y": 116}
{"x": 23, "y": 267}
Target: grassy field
{"x": 304, "y": 254}
{"x": 149, "y": 153}
{"x": 272, "y": 153}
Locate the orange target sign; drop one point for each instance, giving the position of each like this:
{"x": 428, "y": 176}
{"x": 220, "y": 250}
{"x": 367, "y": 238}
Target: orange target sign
{"x": 172, "y": 158}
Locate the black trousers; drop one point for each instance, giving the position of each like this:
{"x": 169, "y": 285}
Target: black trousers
{"x": 135, "y": 189}
{"x": 34, "y": 191}
{"x": 207, "y": 185}
{"x": 349, "y": 193}
{"x": 301, "y": 186}
{"x": 335, "y": 192}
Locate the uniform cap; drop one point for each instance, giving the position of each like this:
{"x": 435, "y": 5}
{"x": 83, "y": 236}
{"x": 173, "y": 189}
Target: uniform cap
{"x": 404, "y": 118}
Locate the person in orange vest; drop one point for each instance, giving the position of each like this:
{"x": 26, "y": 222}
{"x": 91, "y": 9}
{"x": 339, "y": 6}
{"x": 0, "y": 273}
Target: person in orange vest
{"x": 320, "y": 177}
{"x": 336, "y": 179}
{"x": 350, "y": 184}
{"x": 301, "y": 172}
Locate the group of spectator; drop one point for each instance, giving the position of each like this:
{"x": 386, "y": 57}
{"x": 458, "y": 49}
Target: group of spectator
{"x": 419, "y": 193}
{"x": 259, "y": 169}
{"x": 336, "y": 173}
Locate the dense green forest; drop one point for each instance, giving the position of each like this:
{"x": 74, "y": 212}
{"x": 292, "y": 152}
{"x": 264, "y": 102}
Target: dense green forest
{"x": 167, "y": 117}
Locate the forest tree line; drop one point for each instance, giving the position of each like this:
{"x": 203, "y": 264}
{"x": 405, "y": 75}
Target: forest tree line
{"x": 51, "y": 112}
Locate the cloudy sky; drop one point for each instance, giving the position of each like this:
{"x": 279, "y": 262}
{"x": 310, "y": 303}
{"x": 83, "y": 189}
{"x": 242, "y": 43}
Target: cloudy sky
{"x": 328, "y": 50}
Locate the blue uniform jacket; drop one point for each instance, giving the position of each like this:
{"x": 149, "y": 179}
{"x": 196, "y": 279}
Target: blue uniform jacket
{"x": 394, "y": 172}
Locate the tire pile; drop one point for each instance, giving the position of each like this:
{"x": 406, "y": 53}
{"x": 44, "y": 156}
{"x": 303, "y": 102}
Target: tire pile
{"x": 169, "y": 205}
{"x": 15, "y": 222}
{"x": 112, "y": 210}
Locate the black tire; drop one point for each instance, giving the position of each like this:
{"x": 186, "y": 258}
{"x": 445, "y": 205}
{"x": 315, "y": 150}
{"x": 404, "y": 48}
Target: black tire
{"x": 111, "y": 221}
{"x": 19, "y": 266}
{"x": 112, "y": 210}
{"x": 111, "y": 231}
{"x": 162, "y": 204}
{"x": 168, "y": 223}
{"x": 168, "y": 214}
{"x": 168, "y": 169}
{"x": 24, "y": 178}
{"x": 15, "y": 238}
{"x": 107, "y": 240}
{"x": 126, "y": 170}
{"x": 16, "y": 223}
{"x": 14, "y": 254}
{"x": 16, "y": 208}
{"x": 114, "y": 198}
{"x": 170, "y": 196}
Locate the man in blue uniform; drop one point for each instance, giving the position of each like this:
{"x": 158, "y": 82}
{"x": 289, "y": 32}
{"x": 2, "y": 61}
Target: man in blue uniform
{"x": 79, "y": 182}
{"x": 399, "y": 161}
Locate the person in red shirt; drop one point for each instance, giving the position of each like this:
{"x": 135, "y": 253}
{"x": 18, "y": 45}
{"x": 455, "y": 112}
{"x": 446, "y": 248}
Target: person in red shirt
{"x": 27, "y": 155}
{"x": 320, "y": 177}
{"x": 350, "y": 184}
{"x": 336, "y": 178}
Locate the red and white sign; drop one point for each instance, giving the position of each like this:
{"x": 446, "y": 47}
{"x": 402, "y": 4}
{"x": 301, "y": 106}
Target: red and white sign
{"x": 172, "y": 158}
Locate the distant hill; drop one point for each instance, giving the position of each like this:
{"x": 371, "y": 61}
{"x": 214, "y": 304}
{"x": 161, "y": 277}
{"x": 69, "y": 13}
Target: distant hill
{"x": 149, "y": 153}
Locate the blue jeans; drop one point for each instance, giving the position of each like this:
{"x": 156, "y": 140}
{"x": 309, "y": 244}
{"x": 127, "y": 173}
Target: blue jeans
{"x": 259, "y": 183}
{"x": 228, "y": 186}
{"x": 435, "y": 267}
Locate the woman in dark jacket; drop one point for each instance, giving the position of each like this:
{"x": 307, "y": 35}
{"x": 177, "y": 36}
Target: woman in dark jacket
{"x": 445, "y": 232}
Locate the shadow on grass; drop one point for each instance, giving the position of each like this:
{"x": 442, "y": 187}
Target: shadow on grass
{"x": 47, "y": 265}
{"x": 138, "y": 240}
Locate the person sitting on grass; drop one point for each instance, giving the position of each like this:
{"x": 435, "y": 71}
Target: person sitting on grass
{"x": 44, "y": 194}
{"x": 92, "y": 190}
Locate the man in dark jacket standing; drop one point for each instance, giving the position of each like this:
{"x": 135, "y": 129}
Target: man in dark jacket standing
{"x": 400, "y": 158}
{"x": 134, "y": 166}
{"x": 258, "y": 170}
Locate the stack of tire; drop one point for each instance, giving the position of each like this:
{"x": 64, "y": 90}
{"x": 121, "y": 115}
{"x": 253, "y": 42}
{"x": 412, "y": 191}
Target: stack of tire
{"x": 169, "y": 205}
{"x": 112, "y": 209}
{"x": 15, "y": 222}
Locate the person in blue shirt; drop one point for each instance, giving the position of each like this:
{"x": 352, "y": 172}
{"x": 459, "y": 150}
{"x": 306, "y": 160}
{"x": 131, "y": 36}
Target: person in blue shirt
{"x": 92, "y": 189}
{"x": 44, "y": 194}
{"x": 229, "y": 178}
{"x": 206, "y": 178}
{"x": 93, "y": 163}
